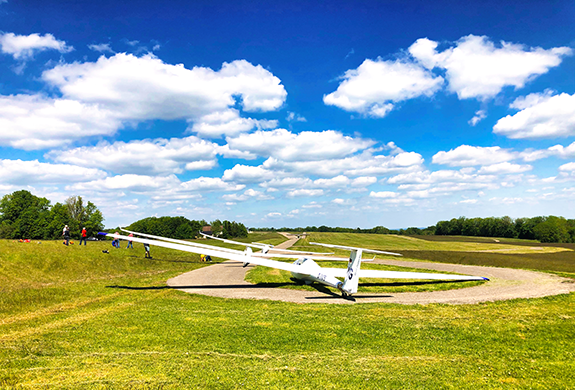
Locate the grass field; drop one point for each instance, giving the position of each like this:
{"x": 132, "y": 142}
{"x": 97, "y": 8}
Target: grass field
{"x": 74, "y": 317}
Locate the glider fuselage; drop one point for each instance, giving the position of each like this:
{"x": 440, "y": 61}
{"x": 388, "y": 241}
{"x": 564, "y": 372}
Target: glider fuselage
{"x": 312, "y": 272}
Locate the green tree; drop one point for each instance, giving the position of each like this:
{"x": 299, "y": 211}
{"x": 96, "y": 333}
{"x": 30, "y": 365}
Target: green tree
{"x": 94, "y": 220}
{"x": 81, "y": 216}
{"x": 525, "y": 227}
{"x": 58, "y": 219}
{"x": 553, "y": 229}
{"x": 216, "y": 227}
{"x": 23, "y": 215}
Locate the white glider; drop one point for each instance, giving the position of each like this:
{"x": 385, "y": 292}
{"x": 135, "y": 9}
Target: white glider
{"x": 304, "y": 268}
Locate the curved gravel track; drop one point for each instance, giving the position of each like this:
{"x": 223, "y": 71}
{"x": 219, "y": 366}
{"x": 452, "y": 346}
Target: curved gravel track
{"x": 226, "y": 280}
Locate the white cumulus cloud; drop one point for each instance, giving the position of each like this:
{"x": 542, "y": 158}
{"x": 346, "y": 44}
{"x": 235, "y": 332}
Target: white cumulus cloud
{"x": 474, "y": 67}
{"x": 304, "y": 193}
{"x": 159, "y": 156}
{"x": 32, "y": 122}
{"x": 466, "y": 155}
{"x": 23, "y": 47}
{"x": 375, "y": 86}
{"x": 478, "y": 68}
{"x": 504, "y": 168}
{"x": 569, "y": 167}
{"x": 123, "y": 90}
{"x": 247, "y": 174}
{"x": 305, "y": 146}
{"x": 141, "y": 88}
{"x": 249, "y": 194}
{"x": 18, "y": 172}
{"x": 383, "y": 194}
{"x": 541, "y": 116}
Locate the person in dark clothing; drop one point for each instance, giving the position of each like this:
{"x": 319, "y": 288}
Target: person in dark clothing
{"x": 66, "y": 234}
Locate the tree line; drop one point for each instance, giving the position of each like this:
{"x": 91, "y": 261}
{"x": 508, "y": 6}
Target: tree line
{"x": 183, "y": 228}
{"x": 542, "y": 228}
{"x": 411, "y": 231}
{"x": 24, "y": 215}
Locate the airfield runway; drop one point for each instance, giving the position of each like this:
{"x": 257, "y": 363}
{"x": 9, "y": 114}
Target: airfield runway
{"x": 226, "y": 280}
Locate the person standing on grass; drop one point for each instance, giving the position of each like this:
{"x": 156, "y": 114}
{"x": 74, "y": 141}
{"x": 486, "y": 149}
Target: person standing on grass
{"x": 66, "y": 234}
{"x": 147, "y": 248}
{"x": 83, "y": 236}
{"x": 116, "y": 242}
{"x": 130, "y": 242}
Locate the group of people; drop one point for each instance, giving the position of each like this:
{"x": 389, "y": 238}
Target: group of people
{"x": 66, "y": 234}
{"x": 115, "y": 242}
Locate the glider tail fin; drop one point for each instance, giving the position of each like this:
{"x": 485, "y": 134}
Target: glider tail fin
{"x": 352, "y": 276}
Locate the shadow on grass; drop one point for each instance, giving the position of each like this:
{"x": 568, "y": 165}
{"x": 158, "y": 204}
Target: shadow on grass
{"x": 318, "y": 287}
{"x": 141, "y": 288}
{"x": 403, "y": 284}
{"x": 164, "y": 260}
{"x": 205, "y": 286}
{"x": 333, "y": 295}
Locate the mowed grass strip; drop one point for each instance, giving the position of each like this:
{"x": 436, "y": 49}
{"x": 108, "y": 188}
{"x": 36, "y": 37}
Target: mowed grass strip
{"x": 114, "y": 324}
{"x": 393, "y": 243}
{"x": 563, "y": 261}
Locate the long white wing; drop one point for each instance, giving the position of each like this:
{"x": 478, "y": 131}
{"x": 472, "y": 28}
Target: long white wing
{"x": 258, "y": 254}
{"x": 181, "y": 242}
{"x": 213, "y": 251}
{"x": 380, "y": 274}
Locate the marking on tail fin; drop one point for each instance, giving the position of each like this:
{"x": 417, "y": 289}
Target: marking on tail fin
{"x": 352, "y": 276}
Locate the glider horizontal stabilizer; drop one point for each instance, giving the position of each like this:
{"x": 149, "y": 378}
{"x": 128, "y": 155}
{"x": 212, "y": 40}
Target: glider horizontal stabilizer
{"x": 381, "y": 274}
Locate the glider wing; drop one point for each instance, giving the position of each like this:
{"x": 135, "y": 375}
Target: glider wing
{"x": 213, "y": 251}
{"x": 381, "y": 274}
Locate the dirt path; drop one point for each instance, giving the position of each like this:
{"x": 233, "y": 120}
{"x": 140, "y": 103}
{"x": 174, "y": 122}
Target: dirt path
{"x": 226, "y": 280}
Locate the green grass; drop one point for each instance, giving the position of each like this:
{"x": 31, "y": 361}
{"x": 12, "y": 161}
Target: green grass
{"x": 76, "y": 318}
{"x": 391, "y": 242}
{"x": 563, "y": 261}
{"x": 260, "y": 237}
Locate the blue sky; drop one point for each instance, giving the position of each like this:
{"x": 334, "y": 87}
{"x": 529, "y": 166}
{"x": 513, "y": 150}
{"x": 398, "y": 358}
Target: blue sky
{"x": 350, "y": 114}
